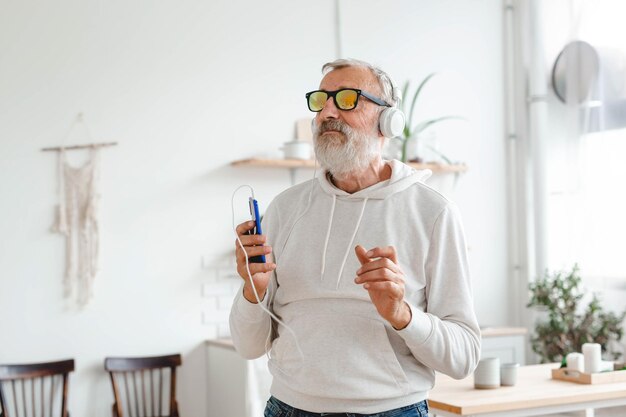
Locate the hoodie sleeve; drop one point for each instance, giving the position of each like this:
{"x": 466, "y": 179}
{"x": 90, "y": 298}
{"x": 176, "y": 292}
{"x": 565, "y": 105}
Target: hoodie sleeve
{"x": 446, "y": 337}
{"x": 250, "y": 325}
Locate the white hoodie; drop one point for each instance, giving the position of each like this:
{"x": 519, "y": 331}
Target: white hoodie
{"x": 352, "y": 359}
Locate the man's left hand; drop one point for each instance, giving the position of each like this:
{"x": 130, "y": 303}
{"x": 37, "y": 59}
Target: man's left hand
{"x": 383, "y": 279}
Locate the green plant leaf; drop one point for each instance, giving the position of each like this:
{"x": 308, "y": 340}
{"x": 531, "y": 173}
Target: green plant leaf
{"x": 439, "y": 153}
{"x": 420, "y": 127}
{"x": 410, "y": 128}
{"x": 415, "y": 96}
{"x": 405, "y": 90}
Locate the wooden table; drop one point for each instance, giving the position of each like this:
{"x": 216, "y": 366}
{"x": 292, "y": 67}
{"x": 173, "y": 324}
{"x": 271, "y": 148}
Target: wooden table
{"x": 535, "y": 393}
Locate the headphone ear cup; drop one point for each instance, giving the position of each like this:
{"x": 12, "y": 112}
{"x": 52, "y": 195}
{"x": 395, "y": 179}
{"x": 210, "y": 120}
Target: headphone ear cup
{"x": 391, "y": 122}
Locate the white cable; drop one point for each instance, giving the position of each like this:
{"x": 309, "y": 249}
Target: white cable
{"x": 254, "y": 290}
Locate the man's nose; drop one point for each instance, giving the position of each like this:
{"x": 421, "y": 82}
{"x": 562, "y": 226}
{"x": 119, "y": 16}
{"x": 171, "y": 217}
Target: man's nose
{"x": 330, "y": 111}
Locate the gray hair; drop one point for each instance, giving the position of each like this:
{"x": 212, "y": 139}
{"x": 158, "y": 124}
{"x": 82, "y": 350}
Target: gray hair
{"x": 389, "y": 91}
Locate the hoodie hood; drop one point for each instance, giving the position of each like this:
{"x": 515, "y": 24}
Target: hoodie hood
{"x": 402, "y": 177}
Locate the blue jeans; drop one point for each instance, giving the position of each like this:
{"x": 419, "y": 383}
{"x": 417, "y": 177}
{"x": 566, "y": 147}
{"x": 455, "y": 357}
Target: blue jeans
{"x": 277, "y": 408}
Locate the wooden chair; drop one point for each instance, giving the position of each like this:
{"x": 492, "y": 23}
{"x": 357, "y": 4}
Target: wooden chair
{"x": 37, "y": 390}
{"x": 140, "y": 385}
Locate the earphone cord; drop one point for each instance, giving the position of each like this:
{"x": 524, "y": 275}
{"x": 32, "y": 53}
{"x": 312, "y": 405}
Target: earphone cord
{"x": 254, "y": 290}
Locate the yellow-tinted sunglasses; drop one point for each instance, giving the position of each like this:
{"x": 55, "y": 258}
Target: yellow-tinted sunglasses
{"x": 345, "y": 99}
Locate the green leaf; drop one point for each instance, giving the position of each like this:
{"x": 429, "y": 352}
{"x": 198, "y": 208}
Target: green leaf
{"x": 405, "y": 90}
{"x": 416, "y": 95}
{"x": 420, "y": 127}
{"x": 441, "y": 155}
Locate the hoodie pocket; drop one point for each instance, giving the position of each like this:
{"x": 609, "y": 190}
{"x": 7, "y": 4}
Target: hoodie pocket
{"x": 346, "y": 357}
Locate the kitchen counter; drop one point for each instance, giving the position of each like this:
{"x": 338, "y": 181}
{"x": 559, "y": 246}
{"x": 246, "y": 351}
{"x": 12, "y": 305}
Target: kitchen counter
{"x": 502, "y": 331}
{"x": 224, "y": 343}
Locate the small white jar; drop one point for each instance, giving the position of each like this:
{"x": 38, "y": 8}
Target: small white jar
{"x": 508, "y": 374}
{"x": 297, "y": 150}
{"x": 487, "y": 374}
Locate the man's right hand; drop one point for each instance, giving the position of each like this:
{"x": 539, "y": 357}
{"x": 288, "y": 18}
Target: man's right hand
{"x": 261, "y": 273}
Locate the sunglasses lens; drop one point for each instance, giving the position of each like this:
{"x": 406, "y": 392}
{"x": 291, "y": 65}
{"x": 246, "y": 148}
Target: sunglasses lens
{"x": 317, "y": 100}
{"x": 346, "y": 99}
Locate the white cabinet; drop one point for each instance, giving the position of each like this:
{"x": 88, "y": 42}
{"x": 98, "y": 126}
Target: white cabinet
{"x": 236, "y": 387}
{"x": 506, "y": 343}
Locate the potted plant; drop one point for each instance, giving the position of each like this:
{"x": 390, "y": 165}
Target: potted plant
{"x": 568, "y": 325}
{"x": 414, "y": 128}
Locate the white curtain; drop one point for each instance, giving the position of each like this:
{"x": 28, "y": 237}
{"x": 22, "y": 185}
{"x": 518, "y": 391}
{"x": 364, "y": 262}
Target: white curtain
{"x": 585, "y": 137}
{"x": 568, "y": 147}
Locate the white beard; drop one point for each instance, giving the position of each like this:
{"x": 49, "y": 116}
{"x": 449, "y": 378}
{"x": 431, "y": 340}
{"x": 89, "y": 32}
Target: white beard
{"x": 344, "y": 153}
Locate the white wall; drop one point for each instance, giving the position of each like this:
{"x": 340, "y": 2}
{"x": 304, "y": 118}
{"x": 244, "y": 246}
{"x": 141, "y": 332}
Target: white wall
{"x": 171, "y": 83}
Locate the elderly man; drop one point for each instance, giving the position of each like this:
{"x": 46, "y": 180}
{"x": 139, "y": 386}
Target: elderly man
{"x": 367, "y": 275}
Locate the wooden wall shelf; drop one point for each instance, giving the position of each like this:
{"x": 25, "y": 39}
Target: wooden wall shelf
{"x": 297, "y": 163}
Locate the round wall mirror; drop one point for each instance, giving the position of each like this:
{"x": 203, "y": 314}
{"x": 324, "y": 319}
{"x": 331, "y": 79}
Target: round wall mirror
{"x": 575, "y": 72}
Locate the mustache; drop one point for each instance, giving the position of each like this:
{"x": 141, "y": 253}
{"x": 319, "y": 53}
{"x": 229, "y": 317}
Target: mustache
{"x": 336, "y": 125}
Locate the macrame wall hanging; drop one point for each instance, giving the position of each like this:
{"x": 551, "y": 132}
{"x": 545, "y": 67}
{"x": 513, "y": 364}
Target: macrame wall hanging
{"x": 76, "y": 217}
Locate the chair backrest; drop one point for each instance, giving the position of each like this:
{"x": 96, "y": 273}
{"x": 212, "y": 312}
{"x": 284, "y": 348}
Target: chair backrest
{"x": 37, "y": 389}
{"x": 141, "y": 386}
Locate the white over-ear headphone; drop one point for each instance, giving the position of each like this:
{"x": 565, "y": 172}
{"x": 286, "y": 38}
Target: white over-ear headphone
{"x": 391, "y": 120}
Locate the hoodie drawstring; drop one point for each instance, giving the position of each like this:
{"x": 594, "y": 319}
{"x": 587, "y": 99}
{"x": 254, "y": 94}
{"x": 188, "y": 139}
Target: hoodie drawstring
{"x": 345, "y": 258}
{"x": 330, "y": 223}
{"x": 402, "y": 177}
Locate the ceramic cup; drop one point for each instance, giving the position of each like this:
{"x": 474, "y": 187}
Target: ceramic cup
{"x": 297, "y": 150}
{"x": 508, "y": 374}
{"x": 487, "y": 373}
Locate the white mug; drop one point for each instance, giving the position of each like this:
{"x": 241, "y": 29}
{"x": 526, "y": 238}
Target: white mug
{"x": 487, "y": 373}
{"x": 297, "y": 150}
{"x": 508, "y": 374}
